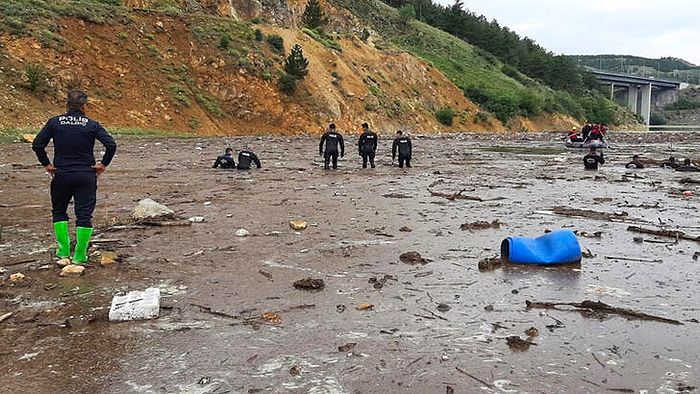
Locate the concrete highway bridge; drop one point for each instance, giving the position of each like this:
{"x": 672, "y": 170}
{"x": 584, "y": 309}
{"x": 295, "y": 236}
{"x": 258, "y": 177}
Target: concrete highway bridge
{"x": 639, "y": 94}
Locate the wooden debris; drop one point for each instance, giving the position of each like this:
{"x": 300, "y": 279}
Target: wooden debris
{"x": 585, "y": 213}
{"x": 6, "y": 316}
{"x": 597, "y": 306}
{"x": 485, "y": 383}
{"x": 482, "y": 225}
{"x": 167, "y": 223}
{"x": 677, "y": 234}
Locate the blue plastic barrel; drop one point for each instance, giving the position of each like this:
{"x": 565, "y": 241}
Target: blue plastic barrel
{"x": 558, "y": 247}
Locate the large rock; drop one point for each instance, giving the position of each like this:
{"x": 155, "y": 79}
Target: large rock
{"x": 72, "y": 271}
{"x": 149, "y": 209}
{"x": 136, "y": 305}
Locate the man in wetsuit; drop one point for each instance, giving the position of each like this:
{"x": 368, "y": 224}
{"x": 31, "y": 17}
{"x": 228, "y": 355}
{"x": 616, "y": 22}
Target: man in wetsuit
{"x": 592, "y": 160}
{"x": 688, "y": 167}
{"x": 328, "y": 148}
{"x": 74, "y": 171}
{"x": 404, "y": 147}
{"x": 226, "y": 161}
{"x": 670, "y": 163}
{"x": 367, "y": 145}
{"x": 245, "y": 158}
{"x": 635, "y": 163}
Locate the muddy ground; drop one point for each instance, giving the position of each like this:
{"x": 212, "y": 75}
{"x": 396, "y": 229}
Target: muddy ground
{"x": 210, "y": 338}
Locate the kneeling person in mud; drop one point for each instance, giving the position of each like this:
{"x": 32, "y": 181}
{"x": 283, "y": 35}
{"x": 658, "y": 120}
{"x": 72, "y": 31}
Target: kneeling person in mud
{"x": 226, "y": 161}
{"x": 74, "y": 172}
{"x": 328, "y": 148}
{"x": 246, "y": 158}
{"x": 403, "y": 145}
{"x": 367, "y": 145}
{"x": 592, "y": 160}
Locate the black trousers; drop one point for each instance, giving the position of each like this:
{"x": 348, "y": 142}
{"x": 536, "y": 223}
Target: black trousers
{"x": 404, "y": 159}
{"x": 79, "y": 186}
{"x": 367, "y": 156}
{"x": 327, "y": 157}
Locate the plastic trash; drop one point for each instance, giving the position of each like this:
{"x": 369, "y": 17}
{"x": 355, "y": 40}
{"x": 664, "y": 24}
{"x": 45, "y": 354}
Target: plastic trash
{"x": 136, "y": 305}
{"x": 559, "y": 247}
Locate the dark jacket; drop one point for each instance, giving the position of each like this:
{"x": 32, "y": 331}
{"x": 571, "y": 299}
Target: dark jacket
{"x": 403, "y": 145}
{"x": 225, "y": 162}
{"x": 368, "y": 142}
{"x": 74, "y": 136}
{"x": 331, "y": 140}
{"x": 592, "y": 160}
{"x": 245, "y": 158}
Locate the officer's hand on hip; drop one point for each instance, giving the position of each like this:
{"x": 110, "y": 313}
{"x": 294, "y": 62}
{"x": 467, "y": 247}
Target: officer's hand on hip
{"x": 51, "y": 169}
{"x": 99, "y": 168}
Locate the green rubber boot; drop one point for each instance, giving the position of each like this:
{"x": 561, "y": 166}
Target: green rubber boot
{"x": 82, "y": 240}
{"x": 62, "y": 239}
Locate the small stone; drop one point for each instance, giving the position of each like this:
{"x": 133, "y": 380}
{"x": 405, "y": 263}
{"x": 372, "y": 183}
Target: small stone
{"x": 405, "y": 229}
{"x": 445, "y": 357}
{"x": 532, "y": 332}
{"x": 242, "y": 233}
{"x": 298, "y": 225}
{"x": 197, "y": 219}
{"x": 443, "y": 307}
{"x": 72, "y": 271}
{"x": 272, "y": 317}
{"x": 638, "y": 240}
{"x": 63, "y": 262}
{"x": 18, "y": 277}
{"x": 412, "y": 258}
{"x": 29, "y": 138}
{"x": 149, "y": 209}
{"x": 295, "y": 370}
{"x": 364, "y": 307}
{"x": 348, "y": 347}
{"x": 108, "y": 258}
{"x": 488, "y": 308}
{"x": 310, "y": 284}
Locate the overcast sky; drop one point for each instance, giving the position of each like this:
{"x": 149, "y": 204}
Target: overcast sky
{"x": 649, "y": 28}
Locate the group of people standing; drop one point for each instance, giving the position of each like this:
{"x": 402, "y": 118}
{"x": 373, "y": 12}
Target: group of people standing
{"x": 332, "y": 144}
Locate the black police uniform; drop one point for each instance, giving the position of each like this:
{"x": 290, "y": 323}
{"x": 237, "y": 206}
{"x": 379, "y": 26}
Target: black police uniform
{"x": 405, "y": 148}
{"x": 74, "y": 136}
{"x": 367, "y": 146}
{"x": 331, "y": 139}
{"x": 591, "y": 161}
{"x": 225, "y": 162}
{"x": 245, "y": 158}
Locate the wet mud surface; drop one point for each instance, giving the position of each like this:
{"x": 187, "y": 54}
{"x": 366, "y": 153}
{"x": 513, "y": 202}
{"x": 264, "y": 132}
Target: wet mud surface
{"x": 232, "y": 320}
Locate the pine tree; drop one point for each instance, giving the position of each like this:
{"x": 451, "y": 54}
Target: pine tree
{"x": 314, "y": 16}
{"x": 296, "y": 64}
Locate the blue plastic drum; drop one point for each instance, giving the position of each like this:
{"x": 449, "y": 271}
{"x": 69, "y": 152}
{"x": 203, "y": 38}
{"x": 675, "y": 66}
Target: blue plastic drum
{"x": 559, "y": 247}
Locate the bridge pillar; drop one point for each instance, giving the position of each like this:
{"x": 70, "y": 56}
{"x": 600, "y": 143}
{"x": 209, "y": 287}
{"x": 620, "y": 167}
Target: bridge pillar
{"x": 646, "y": 103}
{"x": 612, "y": 91}
{"x": 632, "y": 98}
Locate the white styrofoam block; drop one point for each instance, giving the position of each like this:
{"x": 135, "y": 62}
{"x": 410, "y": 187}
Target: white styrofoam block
{"x": 136, "y": 305}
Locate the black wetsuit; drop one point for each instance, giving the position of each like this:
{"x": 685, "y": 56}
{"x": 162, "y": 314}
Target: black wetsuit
{"x": 74, "y": 136}
{"x": 225, "y": 162}
{"x": 405, "y": 148}
{"x": 685, "y": 168}
{"x": 670, "y": 164}
{"x": 592, "y": 160}
{"x": 367, "y": 147}
{"x": 585, "y": 131}
{"x": 635, "y": 164}
{"x": 245, "y": 158}
{"x": 328, "y": 148}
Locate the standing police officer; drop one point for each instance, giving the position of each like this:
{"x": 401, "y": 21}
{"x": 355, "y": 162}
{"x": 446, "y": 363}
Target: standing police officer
{"x": 328, "y": 148}
{"x": 367, "y": 145}
{"x": 403, "y": 145}
{"x": 74, "y": 171}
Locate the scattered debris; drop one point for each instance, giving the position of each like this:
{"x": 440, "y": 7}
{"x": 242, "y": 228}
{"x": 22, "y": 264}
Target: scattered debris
{"x": 295, "y": 370}
{"x": 242, "y": 233}
{"x": 634, "y": 259}
{"x": 412, "y": 258}
{"x": 595, "y": 215}
{"x": 689, "y": 180}
{"x": 72, "y": 271}
{"x": 379, "y": 283}
{"x": 298, "y": 225}
{"x": 310, "y": 284}
{"x": 28, "y": 138}
{"x": 149, "y": 209}
{"x": 599, "y": 307}
{"x": 197, "y": 219}
{"x": 532, "y": 332}
{"x": 460, "y": 196}
{"x": 348, "y": 347}
{"x": 587, "y": 254}
{"x": 271, "y": 317}
{"x": 677, "y": 234}
{"x": 396, "y": 195}
{"x": 364, "y": 307}
{"x": 379, "y": 231}
{"x": 108, "y": 258}
{"x": 488, "y": 308}
{"x": 136, "y": 305}
{"x": 340, "y": 308}
{"x": 518, "y": 344}
{"x": 482, "y": 225}
{"x": 405, "y": 229}
{"x": 6, "y": 316}
{"x": 63, "y": 262}
{"x": 266, "y": 274}
{"x": 485, "y": 383}
{"x": 490, "y": 263}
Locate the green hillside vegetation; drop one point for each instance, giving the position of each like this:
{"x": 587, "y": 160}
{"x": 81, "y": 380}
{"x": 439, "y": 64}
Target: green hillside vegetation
{"x": 669, "y": 68}
{"x": 500, "y": 88}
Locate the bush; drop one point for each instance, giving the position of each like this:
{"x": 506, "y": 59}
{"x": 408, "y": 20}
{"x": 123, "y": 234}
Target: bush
{"x": 657, "y": 120}
{"x": 288, "y": 83}
{"x": 259, "y": 36}
{"x": 364, "y": 35}
{"x": 683, "y": 103}
{"x": 531, "y": 104}
{"x": 276, "y": 42}
{"x": 37, "y": 76}
{"x": 313, "y": 17}
{"x": 321, "y": 37}
{"x": 224, "y": 42}
{"x": 407, "y": 13}
{"x": 445, "y": 115}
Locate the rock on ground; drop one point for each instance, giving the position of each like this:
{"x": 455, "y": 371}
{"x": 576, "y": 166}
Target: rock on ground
{"x": 149, "y": 209}
{"x": 136, "y": 305}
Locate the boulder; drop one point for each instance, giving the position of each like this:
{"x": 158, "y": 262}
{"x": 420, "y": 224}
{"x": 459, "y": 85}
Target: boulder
{"x": 298, "y": 225}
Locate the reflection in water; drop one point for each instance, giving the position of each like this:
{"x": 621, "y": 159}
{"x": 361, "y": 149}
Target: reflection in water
{"x": 563, "y": 276}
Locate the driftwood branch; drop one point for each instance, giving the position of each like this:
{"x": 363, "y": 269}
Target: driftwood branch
{"x": 676, "y": 234}
{"x": 597, "y": 306}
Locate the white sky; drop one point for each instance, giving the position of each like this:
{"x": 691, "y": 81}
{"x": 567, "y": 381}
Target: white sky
{"x": 649, "y": 28}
